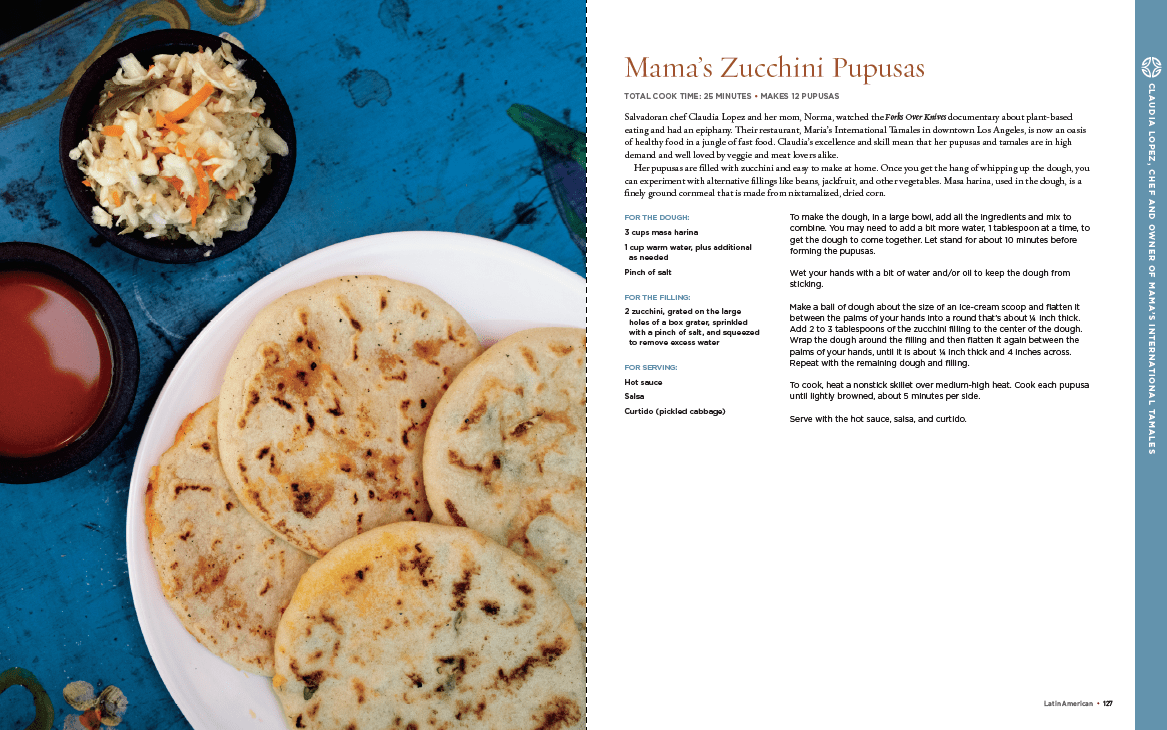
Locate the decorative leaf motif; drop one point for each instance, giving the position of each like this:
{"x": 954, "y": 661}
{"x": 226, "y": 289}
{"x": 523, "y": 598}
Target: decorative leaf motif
{"x": 564, "y": 152}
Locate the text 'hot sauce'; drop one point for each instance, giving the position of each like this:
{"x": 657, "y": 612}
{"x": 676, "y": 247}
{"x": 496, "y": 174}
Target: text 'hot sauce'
{"x": 58, "y": 365}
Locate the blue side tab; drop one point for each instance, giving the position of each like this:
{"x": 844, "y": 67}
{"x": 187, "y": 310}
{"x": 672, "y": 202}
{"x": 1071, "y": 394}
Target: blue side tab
{"x": 1150, "y": 480}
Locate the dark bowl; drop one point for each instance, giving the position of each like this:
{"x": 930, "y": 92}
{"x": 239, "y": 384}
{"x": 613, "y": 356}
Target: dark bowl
{"x": 123, "y": 343}
{"x": 81, "y": 108}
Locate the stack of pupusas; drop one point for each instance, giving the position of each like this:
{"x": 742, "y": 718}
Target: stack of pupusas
{"x": 315, "y": 449}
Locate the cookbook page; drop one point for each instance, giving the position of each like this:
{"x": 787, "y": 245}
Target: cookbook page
{"x": 862, "y": 347}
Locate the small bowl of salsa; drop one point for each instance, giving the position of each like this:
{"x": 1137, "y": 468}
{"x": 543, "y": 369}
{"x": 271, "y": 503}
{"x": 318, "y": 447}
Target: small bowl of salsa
{"x": 70, "y": 357}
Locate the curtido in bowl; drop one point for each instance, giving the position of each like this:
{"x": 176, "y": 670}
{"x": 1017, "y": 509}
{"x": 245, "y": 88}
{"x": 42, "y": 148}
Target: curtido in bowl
{"x": 185, "y": 151}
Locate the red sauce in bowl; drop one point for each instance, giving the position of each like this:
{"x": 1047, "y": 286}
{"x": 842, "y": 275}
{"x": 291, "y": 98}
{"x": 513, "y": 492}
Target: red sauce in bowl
{"x": 56, "y": 364}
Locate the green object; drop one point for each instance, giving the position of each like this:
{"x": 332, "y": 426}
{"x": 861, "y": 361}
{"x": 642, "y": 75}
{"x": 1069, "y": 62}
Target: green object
{"x": 40, "y": 698}
{"x": 564, "y": 153}
{"x": 558, "y": 136}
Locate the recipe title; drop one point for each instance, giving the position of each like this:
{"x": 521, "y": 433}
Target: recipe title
{"x": 733, "y": 67}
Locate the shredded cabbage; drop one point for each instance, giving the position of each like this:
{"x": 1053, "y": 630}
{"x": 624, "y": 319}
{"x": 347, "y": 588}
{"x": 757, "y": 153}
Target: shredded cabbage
{"x": 162, "y": 167}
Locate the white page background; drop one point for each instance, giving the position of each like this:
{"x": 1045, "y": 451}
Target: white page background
{"x": 745, "y": 571}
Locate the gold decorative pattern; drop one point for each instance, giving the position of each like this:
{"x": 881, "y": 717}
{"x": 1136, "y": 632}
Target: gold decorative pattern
{"x": 137, "y": 15}
{"x": 226, "y": 14}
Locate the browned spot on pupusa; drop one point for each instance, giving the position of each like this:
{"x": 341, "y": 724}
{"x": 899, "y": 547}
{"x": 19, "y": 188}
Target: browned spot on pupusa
{"x": 309, "y": 499}
{"x": 428, "y": 350}
{"x": 453, "y": 512}
{"x": 348, "y": 314}
{"x": 392, "y": 366}
{"x": 355, "y": 580}
{"x": 520, "y": 430}
{"x": 490, "y": 608}
{"x": 453, "y": 667}
{"x": 525, "y": 613}
{"x": 465, "y": 708}
{"x": 560, "y": 349}
{"x": 418, "y": 562}
{"x": 359, "y": 688}
{"x": 182, "y": 488}
{"x": 462, "y": 587}
{"x": 290, "y": 379}
{"x": 530, "y": 358}
{"x": 415, "y": 306}
{"x": 558, "y": 712}
{"x": 563, "y": 418}
{"x": 486, "y": 470}
{"x": 473, "y": 416}
{"x": 545, "y": 657}
{"x": 518, "y": 526}
{"x": 385, "y": 468}
{"x": 209, "y": 575}
{"x": 331, "y": 621}
{"x": 456, "y": 459}
{"x": 252, "y": 401}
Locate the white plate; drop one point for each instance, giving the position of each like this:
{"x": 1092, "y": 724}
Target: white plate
{"x": 497, "y": 287}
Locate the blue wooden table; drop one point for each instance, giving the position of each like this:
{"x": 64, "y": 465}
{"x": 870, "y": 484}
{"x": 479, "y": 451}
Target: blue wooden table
{"x": 401, "y": 117}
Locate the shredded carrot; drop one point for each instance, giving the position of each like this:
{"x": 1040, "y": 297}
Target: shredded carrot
{"x": 113, "y": 130}
{"x": 201, "y": 155}
{"x": 191, "y": 104}
{"x": 176, "y": 182}
{"x": 197, "y": 207}
{"x": 211, "y": 169}
{"x": 199, "y": 203}
{"x": 117, "y": 199}
{"x": 181, "y": 150}
{"x": 232, "y": 194}
{"x": 87, "y": 183}
{"x": 204, "y": 186}
{"x": 161, "y": 121}
{"x": 163, "y": 150}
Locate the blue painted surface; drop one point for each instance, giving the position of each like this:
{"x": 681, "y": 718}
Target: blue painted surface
{"x": 400, "y": 113}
